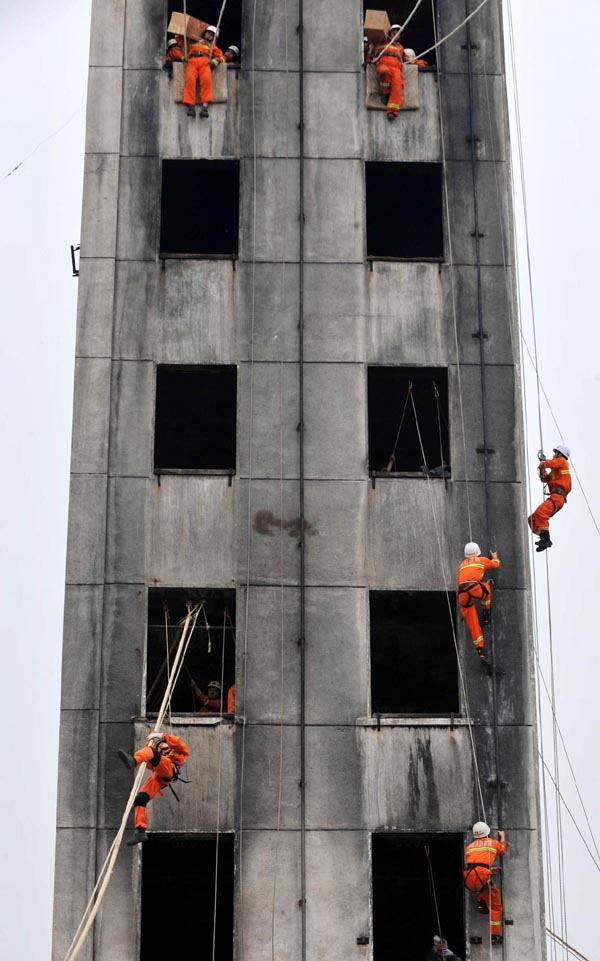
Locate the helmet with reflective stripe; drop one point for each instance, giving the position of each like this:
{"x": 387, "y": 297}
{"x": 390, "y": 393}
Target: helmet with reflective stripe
{"x": 562, "y": 449}
{"x": 480, "y": 830}
{"x": 472, "y": 549}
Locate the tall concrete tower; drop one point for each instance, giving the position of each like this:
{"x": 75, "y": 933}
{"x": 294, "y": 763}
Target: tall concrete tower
{"x": 296, "y": 399}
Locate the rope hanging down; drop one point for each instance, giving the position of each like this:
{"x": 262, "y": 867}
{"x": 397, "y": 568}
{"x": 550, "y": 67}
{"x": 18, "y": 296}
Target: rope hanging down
{"x": 104, "y": 876}
{"x": 452, "y": 32}
{"x": 400, "y": 31}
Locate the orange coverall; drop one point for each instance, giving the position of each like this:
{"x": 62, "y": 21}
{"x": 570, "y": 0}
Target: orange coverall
{"x": 480, "y": 855}
{"x": 389, "y": 71}
{"x": 558, "y": 476}
{"x": 231, "y": 700}
{"x": 470, "y": 589}
{"x": 164, "y": 767}
{"x": 197, "y": 69}
{"x": 175, "y": 50}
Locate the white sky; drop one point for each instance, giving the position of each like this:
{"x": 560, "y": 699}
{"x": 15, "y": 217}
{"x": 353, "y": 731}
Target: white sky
{"x": 44, "y": 82}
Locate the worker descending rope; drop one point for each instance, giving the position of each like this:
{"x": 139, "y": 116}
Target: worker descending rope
{"x": 480, "y": 855}
{"x": 556, "y": 473}
{"x": 387, "y": 56}
{"x": 203, "y": 56}
{"x": 164, "y": 755}
{"x": 471, "y": 588}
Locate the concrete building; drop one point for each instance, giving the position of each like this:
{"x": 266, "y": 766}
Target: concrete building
{"x": 371, "y": 256}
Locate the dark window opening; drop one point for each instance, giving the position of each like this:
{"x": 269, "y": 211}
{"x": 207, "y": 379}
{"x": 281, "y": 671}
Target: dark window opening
{"x": 210, "y": 654}
{"x": 178, "y": 880}
{"x": 407, "y": 873}
{"x": 404, "y": 438}
{"x": 230, "y": 30}
{"x": 420, "y": 32}
{"x": 413, "y": 657}
{"x": 195, "y": 423}
{"x": 404, "y": 210}
{"x": 199, "y": 208}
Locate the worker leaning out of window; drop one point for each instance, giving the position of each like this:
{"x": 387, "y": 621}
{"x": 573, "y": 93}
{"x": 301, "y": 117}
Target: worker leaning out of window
{"x": 212, "y": 701}
{"x": 203, "y": 56}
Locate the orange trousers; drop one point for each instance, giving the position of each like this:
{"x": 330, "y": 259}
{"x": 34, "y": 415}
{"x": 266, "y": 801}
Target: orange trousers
{"x": 539, "y": 521}
{"x": 197, "y": 70}
{"x": 161, "y": 775}
{"x": 389, "y": 71}
{"x": 489, "y": 894}
{"x": 479, "y": 591}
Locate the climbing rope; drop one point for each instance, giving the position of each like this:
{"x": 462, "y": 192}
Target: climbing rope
{"x": 438, "y": 43}
{"x": 400, "y": 31}
{"x": 220, "y": 758}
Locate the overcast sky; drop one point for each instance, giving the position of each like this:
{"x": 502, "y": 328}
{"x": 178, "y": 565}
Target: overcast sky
{"x": 44, "y": 84}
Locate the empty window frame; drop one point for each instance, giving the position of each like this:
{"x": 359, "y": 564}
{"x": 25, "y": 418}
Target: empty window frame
{"x": 210, "y": 654}
{"x": 230, "y": 30}
{"x": 420, "y": 32}
{"x": 404, "y": 211}
{"x": 195, "y": 420}
{"x": 413, "y": 657}
{"x": 178, "y": 875}
{"x": 406, "y": 872}
{"x": 396, "y": 409}
{"x": 199, "y": 208}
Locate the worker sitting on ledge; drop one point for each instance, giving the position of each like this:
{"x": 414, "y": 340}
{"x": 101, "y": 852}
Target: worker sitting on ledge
{"x": 387, "y": 57}
{"x": 164, "y": 755}
{"x": 232, "y": 54}
{"x": 471, "y": 588}
{"x": 203, "y": 57}
{"x": 480, "y": 855}
{"x": 211, "y": 702}
{"x": 556, "y": 473}
{"x": 440, "y": 949}
{"x": 411, "y": 57}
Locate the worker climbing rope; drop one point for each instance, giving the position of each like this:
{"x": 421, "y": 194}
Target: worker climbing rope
{"x": 480, "y": 855}
{"x": 471, "y": 588}
{"x": 387, "y": 56}
{"x": 554, "y": 472}
{"x": 164, "y": 755}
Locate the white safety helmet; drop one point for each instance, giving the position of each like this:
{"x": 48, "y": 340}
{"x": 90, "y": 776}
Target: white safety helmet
{"x": 562, "y": 449}
{"x": 472, "y": 549}
{"x": 394, "y": 28}
{"x": 235, "y": 49}
{"x": 480, "y": 830}
{"x": 210, "y": 30}
{"x": 409, "y": 53}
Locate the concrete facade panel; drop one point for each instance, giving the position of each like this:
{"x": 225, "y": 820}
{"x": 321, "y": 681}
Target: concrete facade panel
{"x": 120, "y": 938}
{"x": 87, "y": 527}
{"x": 140, "y": 112}
{"x": 272, "y": 676}
{"x": 82, "y": 642}
{"x": 267, "y": 306}
{"x": 412, "y": 330}
{"x": 103, "y": 134}
{"x": 333, "y": 36}
{"x": 95, "y": 299}
{"x": 335, "y": 312}
{"x": 509, "y": 641}
{"x": 100, "y": 192}
{"x": 451, "y": 56}
{"x": 522, "y": 867}
{"x": 271, "y": 879}
{"x": 78, "y": 751}
{"x": 126, "y": 530}
{"x": 335, "y": 422}
{"x": 500, "y": 414}
{"x": 132, "y": 422}
{"x": 137, "y": 310}
{"x": 145, "y": 33}
{"x": 339, "y": 236}
{"x": 74, "y": 880}
{"x": 271, "y": 35}
{"x": 336, "y": 554}
{"x": 333, "y": 779}
{"x": 108, "y": 24}
{"x": 269, "y": 231}
{"x": 139, "y": 211}
{"x": 271, "y": 766}
{"x": 271, "y": 426}
{"x": 91, "y": 402}
{"x": 273, "y": 560}
{"x": 183, "y": 136}
{"x": 415, "y": 136}
{"x": 486, "y": 34}
{"x": 269, "y": 102}
{"x": 337, "y": 655}
{"x": 191, "y": 531}
{"x": 338, "y": 894}
{"x": 488, "y": 117}
{"x": 331, "y": 102}
{"x": 123, "y": 651}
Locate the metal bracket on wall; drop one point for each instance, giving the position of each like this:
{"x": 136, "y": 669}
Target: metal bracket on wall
{"x": 486, "y": 450}
{"x": 74, "y": 264}
{"x": 362, "y": 939}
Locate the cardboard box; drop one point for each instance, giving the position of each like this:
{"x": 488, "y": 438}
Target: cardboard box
{"x": 193, "y": 28}
{"x": 377, "y": 25}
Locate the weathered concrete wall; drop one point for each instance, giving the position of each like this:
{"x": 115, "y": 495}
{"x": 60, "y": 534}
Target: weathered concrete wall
{"x": 127, "y": 533}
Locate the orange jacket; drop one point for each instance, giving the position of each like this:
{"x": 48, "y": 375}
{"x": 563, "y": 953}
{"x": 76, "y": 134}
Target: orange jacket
{"x": 484, "y": 851}
{"x": 559, "y": 476}
{"x": 473, "y": 569}
{"x": 394, "y": 50}
{"x": 178, "y": 749}
{"x": 175, "y": 49}
{"x": 201, "y": 48}
{"x": 231, "y": 700}
{"x": 419, "y": 63}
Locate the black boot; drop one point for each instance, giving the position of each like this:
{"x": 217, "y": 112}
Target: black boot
{"x": 496, "y": 939}
{"x": 127, "y": 759}
{"x": 544, "y": 542}
{"x": 482, "y": 907}
{"x": 483, "y": 660}
{"x": 391, "y": 116}
{"x": 138, "y": 837}
{"x": 191, "y": 111}
{"x": 204, "y": 110}
{"x": 486, "y": 616}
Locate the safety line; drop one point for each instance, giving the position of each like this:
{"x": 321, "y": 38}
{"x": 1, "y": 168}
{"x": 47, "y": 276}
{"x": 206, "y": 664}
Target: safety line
{"x": 570, "y": 813}
{"x": 432, "y": 891}
{"x": 41, "y": 144}
{"x": 166, "y": 613}
{"x": 452, "y": 32}
{"x": 400, "y": 31}
{"x": 223, "y": 639}
{"x": 569, "y": 947}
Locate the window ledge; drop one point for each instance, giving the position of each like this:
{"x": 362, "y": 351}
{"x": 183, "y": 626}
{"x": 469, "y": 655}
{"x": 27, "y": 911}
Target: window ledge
{"x": 414, "y": 475}
{"x": 372, "y": 258}
{"x": 193, "y": 472}
{"x": 190, "y": 720}
{"x": 412, "y": 720}
{"x": 197, "y": 256}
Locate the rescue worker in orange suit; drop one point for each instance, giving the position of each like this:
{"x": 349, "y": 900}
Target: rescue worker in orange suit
{"x": 231, "y": 700}
{"x": 471, "y": 588}
{"x": 175, "y": 49}
{"x": 387, "y": 57}
{"x": 480, "y": 855}
{"x": 411, "y": 57}
{"x": 203, "y": 57}
{"x": 556, "y": 474}
{"x": 232, "y": 54}
{"x": 164, "y": 755}
{"x": 211, "y": 702}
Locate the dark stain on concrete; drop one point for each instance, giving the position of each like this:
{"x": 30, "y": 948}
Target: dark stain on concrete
{"x": 266, "y": 523}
